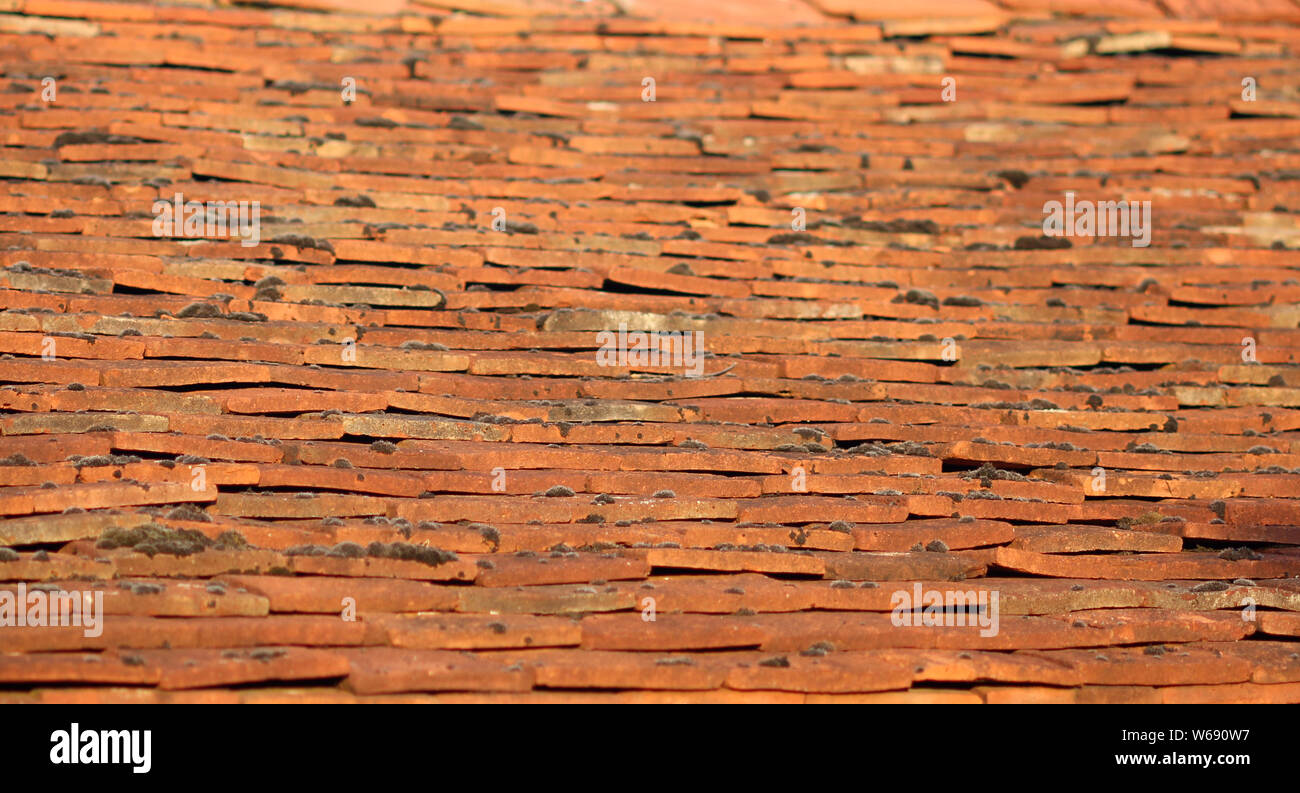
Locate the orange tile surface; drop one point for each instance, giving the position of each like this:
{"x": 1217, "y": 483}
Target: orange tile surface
{"x": 387, "y": 443}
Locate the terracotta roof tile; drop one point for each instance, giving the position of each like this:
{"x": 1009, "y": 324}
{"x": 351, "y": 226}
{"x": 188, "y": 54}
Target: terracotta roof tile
{"x": 383, "y": 449}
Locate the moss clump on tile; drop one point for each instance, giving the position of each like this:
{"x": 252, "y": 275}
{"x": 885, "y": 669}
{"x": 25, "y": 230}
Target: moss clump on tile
{"x": 142, "y": 588}
{"x": 521, "y": 227}
{"x": 1042, "y": 243}
{"x": 424, "y": 554}
{"x": 355, "y": 201}
{"x": 230, "y": 540}
{"x": 101, "y": 460}
{"x": 1147, "y": 518}
{"x": 268, "y": 280}
{"x": 920, "y": 297}
{"x": 83, "y": 137}
{"x": 188, "y": 512}
{"x": 199, "y": 310}
{"x": 911, "y": 448}
{"x": 489, "y": 533}
{"x": 819, "y": 649}
{"x": 433, "y": 346}
{"x": 1240, "y": 554}
{"x": 347, "y": 550}
{"x": 151, "y": 539}
{"x": 8, "y": 555}
{"x": 559, "y": 491}
{"x": 306, "y": 550}
{"x": 988, "y": 472}
{"x": 794, "y": 238}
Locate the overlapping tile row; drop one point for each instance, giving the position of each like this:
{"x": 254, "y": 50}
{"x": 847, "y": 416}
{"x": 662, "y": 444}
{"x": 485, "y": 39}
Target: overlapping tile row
{"x": 382, "y": 449}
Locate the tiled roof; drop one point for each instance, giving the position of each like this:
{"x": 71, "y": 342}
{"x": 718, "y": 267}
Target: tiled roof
{"x": 385, "y": 453}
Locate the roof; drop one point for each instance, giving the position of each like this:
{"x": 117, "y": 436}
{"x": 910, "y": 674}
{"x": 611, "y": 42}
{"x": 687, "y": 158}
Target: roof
{"x": 400, "y": 441}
